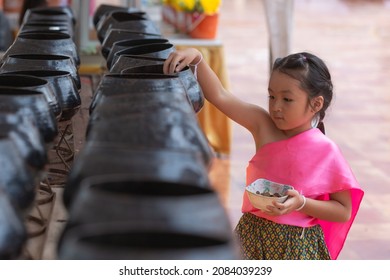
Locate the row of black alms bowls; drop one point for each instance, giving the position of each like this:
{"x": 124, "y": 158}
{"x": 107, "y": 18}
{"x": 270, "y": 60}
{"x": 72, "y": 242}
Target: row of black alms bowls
{"x": 39, "y": 87}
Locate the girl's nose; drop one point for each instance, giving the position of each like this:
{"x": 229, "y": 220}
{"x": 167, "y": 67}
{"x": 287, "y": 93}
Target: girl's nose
{"x": 276, "y": 106}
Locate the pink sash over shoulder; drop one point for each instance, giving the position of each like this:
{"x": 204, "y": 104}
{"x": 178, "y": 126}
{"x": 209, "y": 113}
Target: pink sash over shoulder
{"x": 314, "y": 166}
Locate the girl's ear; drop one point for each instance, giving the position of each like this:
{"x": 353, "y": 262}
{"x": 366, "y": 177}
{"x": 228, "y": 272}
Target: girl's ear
{"x": 317, "y": 103}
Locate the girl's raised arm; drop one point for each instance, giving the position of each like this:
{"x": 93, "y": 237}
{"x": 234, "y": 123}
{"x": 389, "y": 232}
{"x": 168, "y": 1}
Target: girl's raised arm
{"x": 251, "y": 116}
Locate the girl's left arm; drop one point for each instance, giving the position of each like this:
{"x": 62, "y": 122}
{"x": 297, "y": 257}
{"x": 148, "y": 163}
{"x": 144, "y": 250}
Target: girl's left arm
{"x": 337, "y": 209}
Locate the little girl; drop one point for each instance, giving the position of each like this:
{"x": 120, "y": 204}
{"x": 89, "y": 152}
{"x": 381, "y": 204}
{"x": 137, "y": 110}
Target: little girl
{"x": 314, "y": 221}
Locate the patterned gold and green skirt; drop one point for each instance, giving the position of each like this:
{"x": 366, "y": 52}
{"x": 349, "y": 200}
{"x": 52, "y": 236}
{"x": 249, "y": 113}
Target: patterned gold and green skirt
{"x": 261, "y": 239}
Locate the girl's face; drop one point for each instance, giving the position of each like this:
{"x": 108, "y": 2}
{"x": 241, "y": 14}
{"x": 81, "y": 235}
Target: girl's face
{"x": 289, "y": 106}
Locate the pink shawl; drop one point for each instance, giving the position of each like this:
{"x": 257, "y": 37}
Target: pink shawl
{"x": 313, "y": 165}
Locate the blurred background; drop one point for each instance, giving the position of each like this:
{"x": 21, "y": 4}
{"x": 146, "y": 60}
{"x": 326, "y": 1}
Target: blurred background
{"x": 351, "y": 36}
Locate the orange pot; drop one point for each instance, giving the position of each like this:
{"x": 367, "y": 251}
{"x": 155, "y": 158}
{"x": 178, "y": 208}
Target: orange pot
{"x": 203, "y": 26}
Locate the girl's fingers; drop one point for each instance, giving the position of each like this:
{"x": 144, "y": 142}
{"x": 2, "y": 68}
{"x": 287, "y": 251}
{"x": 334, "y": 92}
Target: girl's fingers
{"x": 173, "y": 64}
{"x": 272, "y": 210}
{"x": 292, "y": 192}
{"x": 169, "y": 67}
{"x": 178, "y": 63}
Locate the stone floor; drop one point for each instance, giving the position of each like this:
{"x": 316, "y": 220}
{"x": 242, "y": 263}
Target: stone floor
{"x": 353, "y": 37}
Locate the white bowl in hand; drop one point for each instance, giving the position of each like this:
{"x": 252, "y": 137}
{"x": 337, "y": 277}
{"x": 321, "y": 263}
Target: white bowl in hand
{"x": 262, "y": 193}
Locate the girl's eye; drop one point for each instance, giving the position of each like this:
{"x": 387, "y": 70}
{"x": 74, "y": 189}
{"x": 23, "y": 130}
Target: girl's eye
{"x": 271, "y": 97}
{"x": 287, "y": 99}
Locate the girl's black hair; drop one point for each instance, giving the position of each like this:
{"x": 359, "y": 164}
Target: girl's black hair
{"x": 313, "y": 75}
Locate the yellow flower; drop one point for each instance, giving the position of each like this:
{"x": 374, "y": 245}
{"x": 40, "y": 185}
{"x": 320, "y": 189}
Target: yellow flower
{"x": 187, "y": 5}
{"x": 210, "y": 6}
{"x": 175, "y": 4}
{"x": 200, "y": 6}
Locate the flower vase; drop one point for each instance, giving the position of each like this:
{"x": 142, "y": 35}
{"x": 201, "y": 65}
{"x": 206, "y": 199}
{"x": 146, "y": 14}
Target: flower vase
{"x": 181, "y": 25}
{"x": 168, "y": 14}
{"x": 202, "y": 26}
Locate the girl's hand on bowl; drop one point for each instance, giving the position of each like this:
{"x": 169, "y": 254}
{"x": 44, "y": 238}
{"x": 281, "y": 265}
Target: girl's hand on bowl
{"x": 294, "y": 201}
